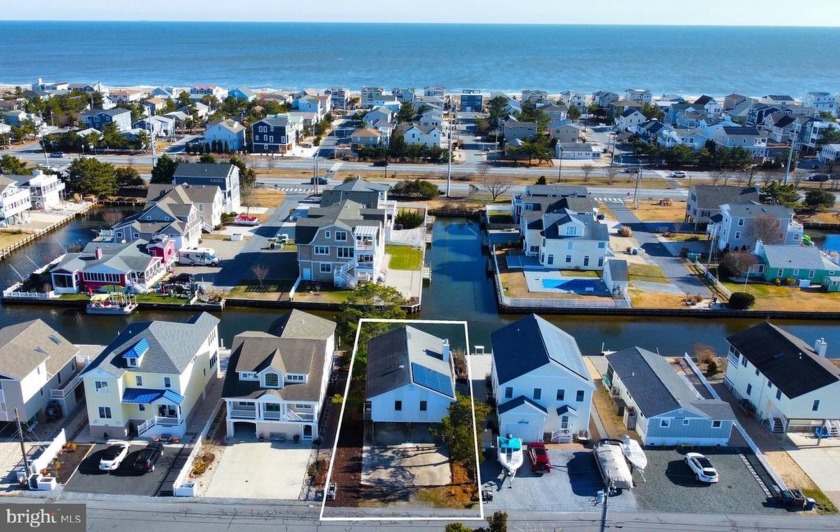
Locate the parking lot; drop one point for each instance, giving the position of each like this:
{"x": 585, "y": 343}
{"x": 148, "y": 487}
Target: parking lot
{"x": 124, "y": 481}
{"x": 668, "y": 486}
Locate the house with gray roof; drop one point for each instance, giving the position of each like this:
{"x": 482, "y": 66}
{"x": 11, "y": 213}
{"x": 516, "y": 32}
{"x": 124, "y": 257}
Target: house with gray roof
{"x": 137, "y": 264}
{"x": 428, "y": 136}
{"x": 663, "y": 407}
{"x": 276, "y": 382}
{"x": 541, "y": 385}
{"x": 276, "y": 134}
{"x": 342, "y": 244}
{"x": 410, "y": 377}
{"x": 362, "y": 191}
{"x": 226, "y": 134}
{"x": 224, "y": 176}
{"x": 792, "y": 385}
{"x": 797, "y": 263}
{"x": 37, "y": 365}
{"x": 741, "y": 225}
{"x": 704, "y": 201}
{"x": 208, "y": 200}
{"x": 566, "y": 234}
{"x": 172, "y": 215}
{"x": 99, "y": 118}
{"x": 152, "y": 377}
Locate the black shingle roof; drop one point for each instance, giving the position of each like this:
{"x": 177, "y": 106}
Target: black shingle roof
{"x": 788, "y": 362}
{"x": 711, "y": 197}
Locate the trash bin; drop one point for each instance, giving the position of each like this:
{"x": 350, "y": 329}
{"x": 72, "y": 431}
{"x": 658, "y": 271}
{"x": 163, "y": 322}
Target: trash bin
{"x": 809, "y": 503}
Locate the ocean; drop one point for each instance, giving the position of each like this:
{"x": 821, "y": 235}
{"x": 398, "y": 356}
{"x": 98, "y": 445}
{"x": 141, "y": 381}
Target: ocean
{"x": 665, "y": 59}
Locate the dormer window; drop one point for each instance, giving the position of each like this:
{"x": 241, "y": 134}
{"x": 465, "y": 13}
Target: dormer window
{"x": 248, "y": 376}
{"x": 134, "y": 356}
{"x": 295, "y": 378}
{"x": 271, "y": 380}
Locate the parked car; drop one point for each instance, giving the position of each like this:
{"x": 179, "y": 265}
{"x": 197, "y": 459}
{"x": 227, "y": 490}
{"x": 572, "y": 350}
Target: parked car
{"x": 818, "y": 177}
{"x": 57, "y": 154}
{"x": 321, "y": 181}
{"x": 113, "y": 456}
{"x": 702, "y": 468}
{"x": 628, "y": 170}
{"x": 380, "y": 163}
{"x": 679, "y": 173}
{"x": 540, "y": 462}
{"x": 148, "y": 457}
{"x": 183, "y": 278}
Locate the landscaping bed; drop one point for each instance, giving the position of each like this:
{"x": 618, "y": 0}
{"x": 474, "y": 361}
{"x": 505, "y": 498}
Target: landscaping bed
{"x": 70, "y": 460}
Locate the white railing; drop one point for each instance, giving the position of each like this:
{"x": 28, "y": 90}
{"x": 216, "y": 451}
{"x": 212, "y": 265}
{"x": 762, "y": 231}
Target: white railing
{"x": 243, "y": 413}
{"x": 12, "y": 292}
{"x": 157, "y": 420}
{"x": 272, "y": 415}
{"x": 146, "y": 425}
{"x": 767, "y": 467}
{"x": 714, "y": 280}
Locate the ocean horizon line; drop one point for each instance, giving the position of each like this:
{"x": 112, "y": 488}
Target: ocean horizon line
{"x": 412, "y": 23}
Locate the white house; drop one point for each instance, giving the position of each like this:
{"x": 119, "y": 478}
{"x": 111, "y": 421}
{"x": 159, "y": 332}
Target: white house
{"x": 638, "y": 95}
{"x": 198, "y": 92}
{"x": 792, "y": 385}
{"x": 224, "y": 176}
{"x": 629, "y": 118}
{"x": 44, "y": 189}
{"x": 576, "y": 150}
{"x": 749, "y": 138}
{"x": 661, "y": 406}
{"x": 151, "y": 377}
{"x": 276, "y": 382}
{"x": 410, "y": 377}
{"x": 161, "y": 126}
{"x": 206, "y": 199}
{"x": 829, "y": 153}
{"x": 540, "y": 382}
{"x": 14, "y": 200}
{"x": 823, "y": 102}
{"x": 563, "y": 238}
{"x": 37, "y": 365}
{"x": 428, "y": 136}
{"x": 740, "y": 225}
{"x": 230, "y": 134}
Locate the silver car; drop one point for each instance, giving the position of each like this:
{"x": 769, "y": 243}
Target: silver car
{"x": 113, "y": 456}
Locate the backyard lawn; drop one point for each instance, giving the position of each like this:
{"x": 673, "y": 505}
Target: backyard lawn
{"x": 772, "y": 297}
{"x": 654, "y": 212}
{"x": 650, "y": 273}
{"x": 405, "y": 257}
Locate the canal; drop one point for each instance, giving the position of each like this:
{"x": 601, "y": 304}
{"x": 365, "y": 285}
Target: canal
{"x": 460, "y": 290}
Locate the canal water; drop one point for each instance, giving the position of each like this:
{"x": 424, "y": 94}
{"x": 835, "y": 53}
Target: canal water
{"x": 460, "y": 290}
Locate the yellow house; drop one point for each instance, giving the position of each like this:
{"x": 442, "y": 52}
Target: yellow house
{"x": 151, "y": 377}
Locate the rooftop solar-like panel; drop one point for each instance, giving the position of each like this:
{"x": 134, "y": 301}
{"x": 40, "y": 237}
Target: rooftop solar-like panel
{"x": 432, "y": 380}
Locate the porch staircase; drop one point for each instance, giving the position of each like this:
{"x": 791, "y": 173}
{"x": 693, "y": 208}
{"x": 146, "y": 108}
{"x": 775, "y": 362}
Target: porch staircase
{"x": 776, "y": 425}
{"x": 207, "y": 228}
{"x": 834, "y": 428}
{"x": 343, "y": 275}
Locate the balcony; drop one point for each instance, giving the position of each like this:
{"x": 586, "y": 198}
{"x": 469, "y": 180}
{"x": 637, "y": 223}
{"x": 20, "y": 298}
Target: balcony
{"x": 243, "y": 413}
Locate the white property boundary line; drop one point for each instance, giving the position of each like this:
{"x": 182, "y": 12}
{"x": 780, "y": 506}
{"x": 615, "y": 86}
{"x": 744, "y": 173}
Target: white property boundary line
{"x": 341, "y": 422}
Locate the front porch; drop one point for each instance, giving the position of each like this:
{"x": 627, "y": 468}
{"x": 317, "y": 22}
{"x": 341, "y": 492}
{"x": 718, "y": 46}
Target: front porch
{"x": 271, "y": 418}
{"x": 164, "y": 407}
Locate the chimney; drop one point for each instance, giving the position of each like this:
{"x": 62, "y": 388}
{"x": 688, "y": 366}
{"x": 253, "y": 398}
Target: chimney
{"x": 445, "y": 351}
{"x": 820, "y": 346}
{"x": 98, "y": 253}
{"x": 759, "y": 246}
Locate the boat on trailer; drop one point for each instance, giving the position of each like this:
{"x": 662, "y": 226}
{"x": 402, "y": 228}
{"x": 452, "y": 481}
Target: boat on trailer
{"x": 609, "y": 455}
{"x": 634, "y": 453}
{"x": 115, "y": 303}
{"x": 510, "y": 453}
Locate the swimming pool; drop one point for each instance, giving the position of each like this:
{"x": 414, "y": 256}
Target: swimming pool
{"x": 574, "y": 285}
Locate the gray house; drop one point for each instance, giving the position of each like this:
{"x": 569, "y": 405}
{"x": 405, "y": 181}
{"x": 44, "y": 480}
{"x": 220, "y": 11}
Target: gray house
{"x": 359, "y": 190}
{"x": 664, "y": 408}
{"x": 37, "y": 365}
{"x": 704, "y": 201}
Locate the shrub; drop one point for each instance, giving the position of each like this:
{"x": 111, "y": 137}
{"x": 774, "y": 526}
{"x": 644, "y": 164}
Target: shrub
{"x": 711, "y": 368}
{"x": 741, "y": 301}
{"x": 777, "y": 282}
{"x": 625, "y": 232}
{"x": 410, "y": 219}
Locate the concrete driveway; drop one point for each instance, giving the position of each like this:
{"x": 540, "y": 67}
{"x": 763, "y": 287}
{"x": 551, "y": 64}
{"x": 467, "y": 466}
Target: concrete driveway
{"x": 405, "y": 466}
{"x": 260, "y": 470}
{"x": 821, "y": 463}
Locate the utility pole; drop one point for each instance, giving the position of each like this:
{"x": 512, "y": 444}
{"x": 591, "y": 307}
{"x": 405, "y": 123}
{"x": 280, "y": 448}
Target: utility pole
{"x": 449, "y": 163}
{"x": 607, "y": 489}
{"x": 789, "y": 157}
{"x": 315, "y": 172}
{"x": 560, "y": 164}
{"x": 638, "y": 184}
{"x": 22, "y": 444}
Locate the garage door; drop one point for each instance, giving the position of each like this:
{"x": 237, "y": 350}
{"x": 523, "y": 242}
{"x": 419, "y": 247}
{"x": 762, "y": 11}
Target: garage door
{"x": 244, "y": 429}
{"x": 526, "y": 430}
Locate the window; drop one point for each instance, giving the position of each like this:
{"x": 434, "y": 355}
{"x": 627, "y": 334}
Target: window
{"x": 600, "y": 262}
{"x": 816, "y": 406}
{"x": 749, "y": 389}
{"x": 326, "y": 267}
{"x": 756, "y": 372}
{"x": 568, "y": 259}
{"x": 737, "y": 235}
{"x": 550, "y": 259}
{"x": 716, "y": 424}
{"x": 811, "y": 274}
{"x": 778, "y": 395}
{"x": 104, "y": 412}
{"x": 795, "y": 272}
{"x": 686, "y": 421}
{"x": 138, "y": 380}
{"x": 341, "y": 236}
{"x": 327, "y": 234}
{"x": 272, "y": 380}
{"x": 579, "y": 396}
{"x": 561, "y": 395}
{"x": 664, "y": 423}
{"x": 141, "y": 408}
{"x": 424, "y": 405}
{"x": 570, "y": 230}
{"x": 295, "y": 378}
{"x": 586, "y": 260}
{"x": 564, "y": 422}
{"x": 345, "y": 253}
{"x": 101, "y": 387}
{"x": 131, "y": 362}
{"x": 537, "y": 394}
{"x": 743, "y": 361}
{"x": 214, "y": 359}
{"x": 508, "y": 392}
{"x": 398, "y": 406}
{"x": 167, "y": 382}
{"x": 322, "y": 250}
{"x": 570, "y": 244}
{"x": 740, "y": 221}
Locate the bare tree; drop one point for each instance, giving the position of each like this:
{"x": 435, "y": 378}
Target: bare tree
{"x": 766, "y": 228}
{"x": 796, "y": 178}
{"x": 766, "y": 178}
{"x": 495, "y": 184}
{"x": 716, "y": 176}
{"x": 260, "y": 272}
{"x": 611, "y": 172}
{"x": 246, "y": 196}
{"x": 112, "y": 217}
{"x": 740, "y": 178}
{"x": 587, "y": 169}
{"x": 738, "y": 263}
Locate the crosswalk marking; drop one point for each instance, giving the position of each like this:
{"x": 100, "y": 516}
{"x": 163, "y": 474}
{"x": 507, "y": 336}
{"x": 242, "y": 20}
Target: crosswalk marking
{"x": 609, "y": 200}
{"x": 296, "y": 190}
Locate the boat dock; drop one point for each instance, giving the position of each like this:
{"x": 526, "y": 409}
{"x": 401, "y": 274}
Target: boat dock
{"x": 42, "y": 223}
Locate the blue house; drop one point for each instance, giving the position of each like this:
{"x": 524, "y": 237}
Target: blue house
{"x": 242, "y": 93}
{"x": 98, "y": 118}
{"x": 472, "y": 101}
{"x": 276, "y": 134}
{"x": 661, "y": 406}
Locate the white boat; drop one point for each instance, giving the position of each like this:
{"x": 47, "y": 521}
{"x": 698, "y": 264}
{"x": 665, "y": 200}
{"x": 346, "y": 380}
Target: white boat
{"x": 609, "y": 455}
{"x": 634, "y": 453}
{"x": 510, "y": 453}
{"x": 112, "y": 303}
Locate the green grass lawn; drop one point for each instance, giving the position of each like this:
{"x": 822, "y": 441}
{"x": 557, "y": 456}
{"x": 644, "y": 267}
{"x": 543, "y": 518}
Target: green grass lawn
{"x": 580, "y": 274}
{"x": 650, "y": 273}
{"x": 141, "y": 298}
{"x": 252, "y": 288}
{"x": 405, "y": 257}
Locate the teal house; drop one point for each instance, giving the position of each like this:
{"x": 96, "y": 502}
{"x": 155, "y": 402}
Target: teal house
{"x": 796, "y": 262}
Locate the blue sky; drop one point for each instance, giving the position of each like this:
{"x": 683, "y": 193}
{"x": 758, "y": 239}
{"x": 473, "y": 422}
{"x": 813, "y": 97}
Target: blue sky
{"x": 706, "y": 12}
